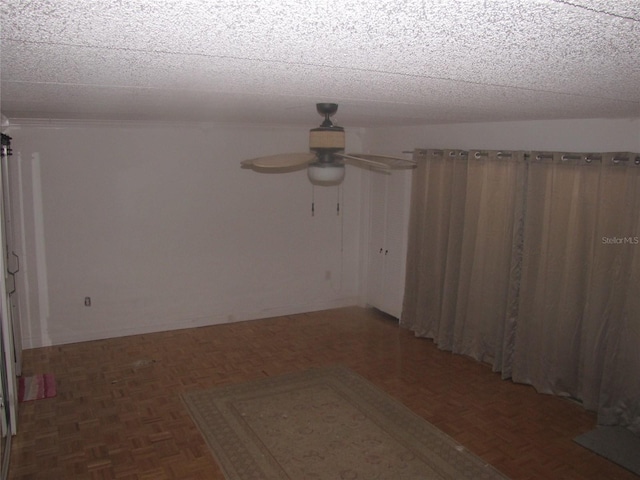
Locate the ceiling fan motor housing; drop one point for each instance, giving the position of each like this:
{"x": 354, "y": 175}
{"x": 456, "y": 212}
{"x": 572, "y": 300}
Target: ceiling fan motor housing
{"x": 327, "y": 138}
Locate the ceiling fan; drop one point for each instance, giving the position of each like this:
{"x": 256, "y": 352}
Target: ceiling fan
{"x": 326, "y": 159}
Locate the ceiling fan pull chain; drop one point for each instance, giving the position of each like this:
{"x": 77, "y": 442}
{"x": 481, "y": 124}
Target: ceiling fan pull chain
{"x": 338, "y": 203}
{"x": 313, "y": 200}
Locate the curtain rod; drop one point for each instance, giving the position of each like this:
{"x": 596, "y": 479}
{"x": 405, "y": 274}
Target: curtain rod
{"x": 541, "y": 156}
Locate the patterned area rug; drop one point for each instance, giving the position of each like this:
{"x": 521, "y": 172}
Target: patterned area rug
{"x": 326, "y": 423}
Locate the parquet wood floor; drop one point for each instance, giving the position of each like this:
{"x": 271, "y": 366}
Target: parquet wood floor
{"x": 118, "y": 414}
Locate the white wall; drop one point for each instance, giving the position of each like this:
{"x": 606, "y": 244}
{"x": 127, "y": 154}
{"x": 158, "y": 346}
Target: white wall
{"x": 161, "y": 227}
{"x": 590, "y": 135}
{"x": 163, "y": 230}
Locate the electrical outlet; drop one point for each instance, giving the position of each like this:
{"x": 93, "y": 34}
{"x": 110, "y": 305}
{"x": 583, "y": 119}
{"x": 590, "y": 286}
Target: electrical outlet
{"x": 87, "y": 301}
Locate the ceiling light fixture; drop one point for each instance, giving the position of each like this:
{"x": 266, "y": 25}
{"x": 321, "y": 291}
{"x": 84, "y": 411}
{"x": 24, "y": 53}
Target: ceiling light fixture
{"x": 326, "y": 174}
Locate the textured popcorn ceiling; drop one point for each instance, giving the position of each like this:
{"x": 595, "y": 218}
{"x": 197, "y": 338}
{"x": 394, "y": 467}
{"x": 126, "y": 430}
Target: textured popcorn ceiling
{"x": 396, "y": 62}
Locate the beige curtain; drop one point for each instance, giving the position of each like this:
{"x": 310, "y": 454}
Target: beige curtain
{"x": 578, "y": 321}
{"x": 462, "y": 269}
{"x": 532, "y": 263}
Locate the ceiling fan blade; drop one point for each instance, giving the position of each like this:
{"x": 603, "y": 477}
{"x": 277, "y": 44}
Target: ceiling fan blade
{"x": 359, "y": 161}
{"x": 395, "y": 163}
{"x": 280, "y": 161}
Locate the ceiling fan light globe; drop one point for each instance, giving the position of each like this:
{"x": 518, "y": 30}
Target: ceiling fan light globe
{"x": 326, "y": 175}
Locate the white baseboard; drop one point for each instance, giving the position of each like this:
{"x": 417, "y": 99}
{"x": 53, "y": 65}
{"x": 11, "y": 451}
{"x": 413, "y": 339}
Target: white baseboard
{"x": 63, "y": 338}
